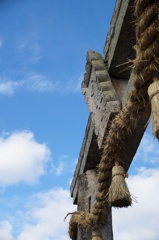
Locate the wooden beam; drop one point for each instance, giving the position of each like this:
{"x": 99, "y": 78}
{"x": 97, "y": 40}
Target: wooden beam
{"x": 119, "y": 46}
{"x": 103, "y": 104}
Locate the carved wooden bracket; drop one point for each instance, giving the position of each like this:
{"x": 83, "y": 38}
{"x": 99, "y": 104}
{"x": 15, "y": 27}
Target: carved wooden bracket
{"x": 99, "y": 94}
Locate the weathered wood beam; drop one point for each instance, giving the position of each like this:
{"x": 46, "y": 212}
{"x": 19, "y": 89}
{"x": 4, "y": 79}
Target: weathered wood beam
{"x": 87, "y": 189}
{"x": 103, "y": 104}
{"x": 120, "y": 40}
{"x": 99, "y": 94}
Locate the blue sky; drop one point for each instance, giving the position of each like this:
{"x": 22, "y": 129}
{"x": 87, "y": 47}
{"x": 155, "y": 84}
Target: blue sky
{"x": 43, "y": 46}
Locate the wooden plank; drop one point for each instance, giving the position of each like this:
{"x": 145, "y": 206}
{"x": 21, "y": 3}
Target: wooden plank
{"x": 119, "y": 46}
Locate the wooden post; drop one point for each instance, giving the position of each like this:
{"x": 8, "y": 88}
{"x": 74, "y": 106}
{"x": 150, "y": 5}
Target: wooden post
{"x": 87, "y": 188}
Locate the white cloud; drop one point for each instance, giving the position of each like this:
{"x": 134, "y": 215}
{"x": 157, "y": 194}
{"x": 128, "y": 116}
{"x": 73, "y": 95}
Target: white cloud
{"x": 44, "y": 220}
{"x": 46, "y": 211}
{"x": 8, "y": 87}
{"x": 140, "y": 222}
{"x": 6, "y": 231}
{"x": 34, "y": 82}
{"x": 39, "y": 83}
{"x": 22, "y": 158}
{"x": 48, "y": 216}
{"x": 148, "y": 150}
{"x": 59, "y": 169}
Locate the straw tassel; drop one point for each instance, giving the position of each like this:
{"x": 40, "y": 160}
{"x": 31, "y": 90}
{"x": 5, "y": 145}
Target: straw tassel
{"x": 153, "y": 92}
{"x": 96, "y": 235}
{"x": 119, "y": 195}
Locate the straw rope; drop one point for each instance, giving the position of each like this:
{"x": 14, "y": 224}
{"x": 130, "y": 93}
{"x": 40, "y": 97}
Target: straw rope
{"x": 146, "y": 66}
{"x": 119, "y": 195}
{"x": 125, "y": 175}
{"x": 154, "y": 94}
{"x": 96, "y": 234}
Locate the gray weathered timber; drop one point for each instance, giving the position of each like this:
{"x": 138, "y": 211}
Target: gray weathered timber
{"x": 107, "y": 83}
{"x": 103, "y": 104}
{"x": 89, "y": 149}
{"x": 87, "y": 185}
{"x": 120, "y": 40}
{"x": 99, "y": 94}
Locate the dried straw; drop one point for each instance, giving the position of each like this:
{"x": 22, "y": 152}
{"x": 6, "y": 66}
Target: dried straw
{"x": 96, "y": 235}
{"x": 153, "y": 92}
{"x": 119, "y": 195}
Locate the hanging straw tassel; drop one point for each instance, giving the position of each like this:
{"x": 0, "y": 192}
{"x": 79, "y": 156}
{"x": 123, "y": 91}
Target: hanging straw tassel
{"x": 96, "y": 235}
{"x": 153, "y": 92}
{"x": 119, "y": 195}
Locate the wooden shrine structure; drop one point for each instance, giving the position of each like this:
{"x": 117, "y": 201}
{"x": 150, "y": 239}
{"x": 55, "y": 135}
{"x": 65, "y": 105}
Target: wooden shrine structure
{"x": 106, "y": 85}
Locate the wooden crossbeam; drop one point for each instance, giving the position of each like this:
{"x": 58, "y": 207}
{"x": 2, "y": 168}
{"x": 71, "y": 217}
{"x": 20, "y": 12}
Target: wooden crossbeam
{"x": 119, "y": 45}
